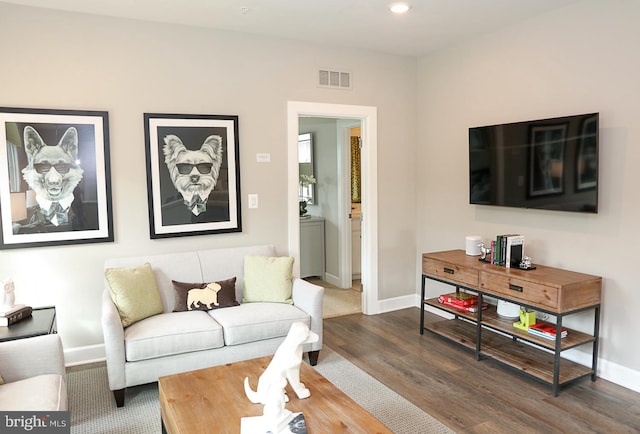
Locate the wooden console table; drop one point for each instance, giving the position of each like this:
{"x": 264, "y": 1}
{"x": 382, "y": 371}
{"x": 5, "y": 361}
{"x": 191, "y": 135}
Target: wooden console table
{"x": 547, "y": 290}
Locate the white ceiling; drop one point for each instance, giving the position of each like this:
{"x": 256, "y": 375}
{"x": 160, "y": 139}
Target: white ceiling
{"x": 367, "y": 24}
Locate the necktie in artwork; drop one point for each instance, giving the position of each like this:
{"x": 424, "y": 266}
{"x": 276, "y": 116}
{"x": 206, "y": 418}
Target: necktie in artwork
{"x": 56, "y": 215}
{"x": 196, "y": 205}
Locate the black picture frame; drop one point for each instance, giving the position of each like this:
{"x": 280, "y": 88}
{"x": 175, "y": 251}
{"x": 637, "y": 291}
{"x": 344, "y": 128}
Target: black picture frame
{"x": 193, "y": 174}
{"x": 58, "y": 171}
{"x": 546, "y": 159}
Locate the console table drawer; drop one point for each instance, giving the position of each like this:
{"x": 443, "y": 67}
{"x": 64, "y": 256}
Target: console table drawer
{"x": 520, "y": 290}
{"x": 451, "y": 272}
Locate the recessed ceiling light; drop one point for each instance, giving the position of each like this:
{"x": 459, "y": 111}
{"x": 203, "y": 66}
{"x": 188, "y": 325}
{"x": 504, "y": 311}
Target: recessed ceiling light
{"x": 399, "y": 8}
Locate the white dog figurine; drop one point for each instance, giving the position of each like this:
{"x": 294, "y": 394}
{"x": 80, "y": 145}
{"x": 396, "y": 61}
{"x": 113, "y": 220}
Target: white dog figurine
{"x": 284, "y": 364}
{"x": 274, "y": 408}
{"x": 207, "y": 296}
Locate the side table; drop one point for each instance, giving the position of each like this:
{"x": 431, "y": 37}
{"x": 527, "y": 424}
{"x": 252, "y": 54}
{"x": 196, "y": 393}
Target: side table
{"x": 41, "y": 322}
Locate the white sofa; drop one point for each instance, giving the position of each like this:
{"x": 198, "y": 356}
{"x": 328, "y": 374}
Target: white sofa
{"x": 173, "y": 342}
{"x": 34, "y": 374}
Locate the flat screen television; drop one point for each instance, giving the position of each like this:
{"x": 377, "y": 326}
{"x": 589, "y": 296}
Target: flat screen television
{"x": 543, "y": 164}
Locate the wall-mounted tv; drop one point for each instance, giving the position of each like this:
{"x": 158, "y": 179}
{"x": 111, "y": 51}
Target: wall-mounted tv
{"x": 544, "y": 164}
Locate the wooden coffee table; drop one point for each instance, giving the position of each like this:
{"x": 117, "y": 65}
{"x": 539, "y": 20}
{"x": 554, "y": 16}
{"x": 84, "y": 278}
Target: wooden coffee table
{"x": 212, "y": 400}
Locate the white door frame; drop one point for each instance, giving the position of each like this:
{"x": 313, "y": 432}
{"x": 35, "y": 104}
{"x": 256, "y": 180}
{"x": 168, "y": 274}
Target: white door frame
{"x": 369, "y": 167}
{"x": 344, "y": 127}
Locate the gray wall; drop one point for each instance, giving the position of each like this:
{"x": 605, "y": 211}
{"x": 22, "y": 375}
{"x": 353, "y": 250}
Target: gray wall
{"x": 579, "y": 59}
{"x": 76, "y": 61}
{"x": 325, "y": 133}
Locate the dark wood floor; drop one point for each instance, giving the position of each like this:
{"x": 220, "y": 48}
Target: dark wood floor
{"x": 472, "y": 396}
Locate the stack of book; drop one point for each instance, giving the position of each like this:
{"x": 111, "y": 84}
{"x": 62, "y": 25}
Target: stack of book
{"x": 16, "y": 314}
{"x": 461, "y": 300}
{"x": 545, "y": 330}
{"x": 507, "y": 250}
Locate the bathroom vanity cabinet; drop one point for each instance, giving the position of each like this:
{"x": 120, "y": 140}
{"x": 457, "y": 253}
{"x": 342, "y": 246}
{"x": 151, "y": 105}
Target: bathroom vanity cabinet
{"x": 312, "y": 247}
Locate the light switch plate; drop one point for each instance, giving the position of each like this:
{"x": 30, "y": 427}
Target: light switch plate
{"x": 253, "y": 200}
{"x": 263, "y": 158}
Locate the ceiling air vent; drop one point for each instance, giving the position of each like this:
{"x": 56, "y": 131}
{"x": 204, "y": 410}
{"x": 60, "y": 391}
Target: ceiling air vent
{"x": 334, "y": 79}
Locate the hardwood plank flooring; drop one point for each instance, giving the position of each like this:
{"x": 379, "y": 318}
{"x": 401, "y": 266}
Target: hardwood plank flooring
{"x": 472, "y": 396}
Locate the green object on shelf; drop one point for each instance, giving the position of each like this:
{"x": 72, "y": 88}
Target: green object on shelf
{"x": 527, "y": 319}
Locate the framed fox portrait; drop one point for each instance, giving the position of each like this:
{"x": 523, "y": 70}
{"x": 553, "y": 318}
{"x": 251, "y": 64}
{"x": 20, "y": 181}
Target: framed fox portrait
{"x": 55, "y": 188}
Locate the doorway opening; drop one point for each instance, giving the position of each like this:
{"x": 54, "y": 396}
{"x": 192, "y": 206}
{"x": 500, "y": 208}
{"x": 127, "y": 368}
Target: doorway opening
{"x": 347, "y": 117}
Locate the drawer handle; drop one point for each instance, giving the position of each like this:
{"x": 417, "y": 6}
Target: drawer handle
{"x": 448, "y": 270}
{"x": 515, "y": 288}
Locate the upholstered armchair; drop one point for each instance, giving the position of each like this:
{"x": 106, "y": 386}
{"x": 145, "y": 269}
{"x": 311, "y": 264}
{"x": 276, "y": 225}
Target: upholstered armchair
{"x": 34, "y": 374}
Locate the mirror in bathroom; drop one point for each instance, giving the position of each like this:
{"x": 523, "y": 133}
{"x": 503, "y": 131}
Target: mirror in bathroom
{"x": 305, "y": 163}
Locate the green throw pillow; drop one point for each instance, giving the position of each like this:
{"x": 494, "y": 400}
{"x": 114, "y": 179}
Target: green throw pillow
{"x": 134, "y": 292}
{"x": 1, "y": 380}
{"x": 267, "y": 278}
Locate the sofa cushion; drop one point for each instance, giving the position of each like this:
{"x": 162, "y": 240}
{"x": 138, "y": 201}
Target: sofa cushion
{"x": 181, "y": 266}
{"x": 134, "y": 292}
{"x": 252, "y": 322}
{"x": 171, "y": 333}
{"x": 268, "y": 278}
{"x": 219, "y": 264}
{"x": 40, "y": 393}
{"x": 225, "y": 295}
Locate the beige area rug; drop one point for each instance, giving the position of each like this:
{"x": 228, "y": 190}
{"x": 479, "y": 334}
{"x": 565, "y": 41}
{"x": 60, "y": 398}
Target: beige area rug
{"x": 338, "y": 301}
{"x": 93, "y": 409}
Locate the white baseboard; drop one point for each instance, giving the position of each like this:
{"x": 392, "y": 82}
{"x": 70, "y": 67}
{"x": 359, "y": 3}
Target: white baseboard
{"x": 607, "y": 370}
{"x": 620, "y": 375}
{"x": 396, "y": 303}
{"x": 332, "y": 279}
{"x": 84, "y": 355}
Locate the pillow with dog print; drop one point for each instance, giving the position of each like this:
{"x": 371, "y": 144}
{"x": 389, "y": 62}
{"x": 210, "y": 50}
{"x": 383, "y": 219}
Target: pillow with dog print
{"x": 268, "y": 278}
{"x": 205, "y": 296}
{"x": 134, "y": 292}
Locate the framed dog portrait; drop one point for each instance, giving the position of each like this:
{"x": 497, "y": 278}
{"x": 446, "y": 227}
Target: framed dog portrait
{"x": 55, "y": 182}
{"x": 193, "y": 174}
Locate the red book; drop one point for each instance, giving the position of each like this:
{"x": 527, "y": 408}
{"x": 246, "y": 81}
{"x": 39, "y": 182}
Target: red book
{"x": 459, "y": 299}
{"x": 546, "y": 329}
{"x": 472, "y": 308}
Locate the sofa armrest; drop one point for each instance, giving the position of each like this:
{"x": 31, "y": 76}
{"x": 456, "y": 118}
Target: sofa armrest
{"x": 308, "y": 297}
{"x": 25, "y": 358}
{"x": 113, "y": 342}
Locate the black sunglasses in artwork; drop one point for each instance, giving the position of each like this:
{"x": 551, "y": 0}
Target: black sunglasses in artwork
{"x": 45, "y": 167}
{"x": 186, "y": 168}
